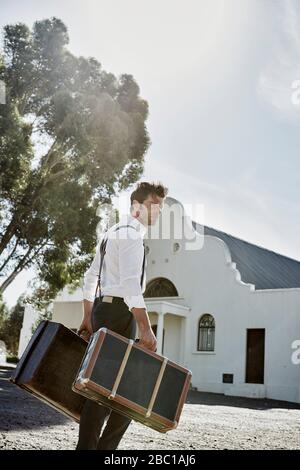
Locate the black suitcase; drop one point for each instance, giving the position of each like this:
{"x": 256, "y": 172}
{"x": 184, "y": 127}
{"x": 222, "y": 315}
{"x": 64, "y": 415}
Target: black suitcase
{"x": 49, "y": 366}
{"x": 140, "y": 384}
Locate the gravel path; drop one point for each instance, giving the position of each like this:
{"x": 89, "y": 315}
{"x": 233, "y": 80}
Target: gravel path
{"x": 208, "y": 421}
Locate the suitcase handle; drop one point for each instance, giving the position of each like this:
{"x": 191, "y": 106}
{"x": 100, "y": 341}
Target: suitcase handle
{"x": 138, "y": 340}
{"x": 84, "y": 334}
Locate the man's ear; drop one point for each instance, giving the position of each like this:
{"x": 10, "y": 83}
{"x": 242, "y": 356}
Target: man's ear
{"x": 135, "y": 208}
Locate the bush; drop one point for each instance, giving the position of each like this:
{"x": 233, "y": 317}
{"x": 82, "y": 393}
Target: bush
{"x": 10, "y": 326}
{"x": 12, "y": 359}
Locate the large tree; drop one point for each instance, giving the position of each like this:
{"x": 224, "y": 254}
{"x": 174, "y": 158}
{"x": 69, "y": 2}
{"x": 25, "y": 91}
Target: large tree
{"x": 71, "y": 137}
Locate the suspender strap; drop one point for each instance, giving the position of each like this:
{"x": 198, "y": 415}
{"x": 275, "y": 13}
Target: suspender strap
{"x": 143, "y": 268}
{"x": 102, "y": 253}
{"x": 122, "y": 226}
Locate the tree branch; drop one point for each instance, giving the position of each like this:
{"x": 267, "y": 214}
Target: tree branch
{"x": 9, "y": 257}
{"x": 20, "y": 266}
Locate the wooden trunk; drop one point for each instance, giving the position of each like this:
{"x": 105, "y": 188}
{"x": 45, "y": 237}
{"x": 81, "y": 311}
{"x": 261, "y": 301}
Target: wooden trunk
{"x": 118, "y": 373}
{"x": 49, "y": 366}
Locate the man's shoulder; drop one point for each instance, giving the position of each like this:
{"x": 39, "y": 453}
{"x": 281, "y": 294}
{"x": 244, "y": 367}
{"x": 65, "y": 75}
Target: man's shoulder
{"x": 123, "y": 230}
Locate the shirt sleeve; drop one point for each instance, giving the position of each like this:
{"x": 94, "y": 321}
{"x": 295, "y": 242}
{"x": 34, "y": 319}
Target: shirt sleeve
{"x": 131, "y": 253}
{"x": 91, "y": 277}
{"x": 136, "y": 301}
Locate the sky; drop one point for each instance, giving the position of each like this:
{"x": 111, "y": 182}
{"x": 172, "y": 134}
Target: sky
{"x": 220, "y": 78}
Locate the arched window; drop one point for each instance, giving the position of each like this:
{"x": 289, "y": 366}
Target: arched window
{"x": 206, "y": 333}
{"x": 160, "y": 287}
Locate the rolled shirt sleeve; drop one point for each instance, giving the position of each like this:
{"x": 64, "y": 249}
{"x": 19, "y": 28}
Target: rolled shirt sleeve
{"x": 91, "y": 277}
{"x": 135, "y": 301}
{"x": 131, "y": 253}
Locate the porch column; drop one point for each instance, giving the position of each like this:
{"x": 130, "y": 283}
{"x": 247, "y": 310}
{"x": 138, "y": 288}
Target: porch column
{"x": 159, "y": 332}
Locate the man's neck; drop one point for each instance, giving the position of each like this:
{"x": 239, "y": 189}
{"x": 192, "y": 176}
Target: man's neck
{"x": 138, "y": 219}
{"x": 142, "y": 227}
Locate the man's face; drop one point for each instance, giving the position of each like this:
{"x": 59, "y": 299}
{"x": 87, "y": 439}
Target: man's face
{"x": 150, "y": 209}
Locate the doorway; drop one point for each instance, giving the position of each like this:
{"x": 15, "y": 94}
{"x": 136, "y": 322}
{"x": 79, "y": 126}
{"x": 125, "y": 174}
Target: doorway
{"x": 255, "y": 360}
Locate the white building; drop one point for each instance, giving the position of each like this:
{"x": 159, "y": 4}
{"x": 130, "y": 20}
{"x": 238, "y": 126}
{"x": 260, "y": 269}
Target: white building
{"x": 30, "y": 319}
{"x": 225, "y": 308}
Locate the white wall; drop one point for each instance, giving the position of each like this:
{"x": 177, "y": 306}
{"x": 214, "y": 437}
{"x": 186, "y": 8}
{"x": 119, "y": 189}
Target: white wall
{"x": 68, "y": 313}
{"x": 172, "y": 343}
{"x": 3, "y": 352}
{"x": 29, "y": 320}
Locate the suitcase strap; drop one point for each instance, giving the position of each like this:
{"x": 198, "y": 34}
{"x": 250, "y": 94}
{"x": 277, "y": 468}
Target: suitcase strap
{"x": 156, "y": 387}
{"x": 121, "y": 370}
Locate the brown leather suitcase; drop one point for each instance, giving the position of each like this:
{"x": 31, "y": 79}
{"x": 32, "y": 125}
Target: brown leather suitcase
{"x": 140, "y": 384}
{"x": 49, "y": 366}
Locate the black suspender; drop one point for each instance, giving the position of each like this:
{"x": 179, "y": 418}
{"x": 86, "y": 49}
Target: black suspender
{"x": 143, "y": 268}
{"x": 102, "y": 253}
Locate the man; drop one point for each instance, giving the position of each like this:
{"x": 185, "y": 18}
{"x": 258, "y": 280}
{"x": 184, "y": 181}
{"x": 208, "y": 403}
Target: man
{"x": 122, "y": 305}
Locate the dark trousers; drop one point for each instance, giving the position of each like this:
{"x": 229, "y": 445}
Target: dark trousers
{"x": 117, "y": 317}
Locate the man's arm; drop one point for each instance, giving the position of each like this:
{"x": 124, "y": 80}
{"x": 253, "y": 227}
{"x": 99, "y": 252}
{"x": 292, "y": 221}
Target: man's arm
{"x": 89, "y": 287}
{"x": 85, "y": 329}
{"x": 131, "y": 252}
{"x": 147, "y": 337}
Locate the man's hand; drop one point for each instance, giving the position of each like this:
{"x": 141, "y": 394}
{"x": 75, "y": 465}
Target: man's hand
{"x": 148, "y": 340}
{"x": 85, "y": 330}
{"x": 147, "y": 337}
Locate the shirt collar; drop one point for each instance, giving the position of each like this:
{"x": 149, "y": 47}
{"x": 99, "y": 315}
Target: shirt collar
{"x": 137, "y": 224}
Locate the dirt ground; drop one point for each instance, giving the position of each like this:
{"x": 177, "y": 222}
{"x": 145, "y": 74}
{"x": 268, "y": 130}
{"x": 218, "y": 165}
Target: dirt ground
{"x": 208, "y": 421}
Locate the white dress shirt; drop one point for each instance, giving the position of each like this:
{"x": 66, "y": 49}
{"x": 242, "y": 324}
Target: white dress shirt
{"x": 122, "y": 264}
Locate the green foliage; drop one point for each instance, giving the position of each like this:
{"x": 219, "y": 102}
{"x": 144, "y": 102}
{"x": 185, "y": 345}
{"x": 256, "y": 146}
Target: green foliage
{"x": 4, "y": 314}
{"x": 71, "y": 137}
{"x": 10, "y": 326}
{"x": 13, "y": 359}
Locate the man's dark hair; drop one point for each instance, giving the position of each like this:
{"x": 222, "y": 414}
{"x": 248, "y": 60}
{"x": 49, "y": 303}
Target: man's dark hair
{"x": 143, "y": 190}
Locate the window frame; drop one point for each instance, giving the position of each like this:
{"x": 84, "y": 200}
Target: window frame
{"x": 207, "y": 330}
